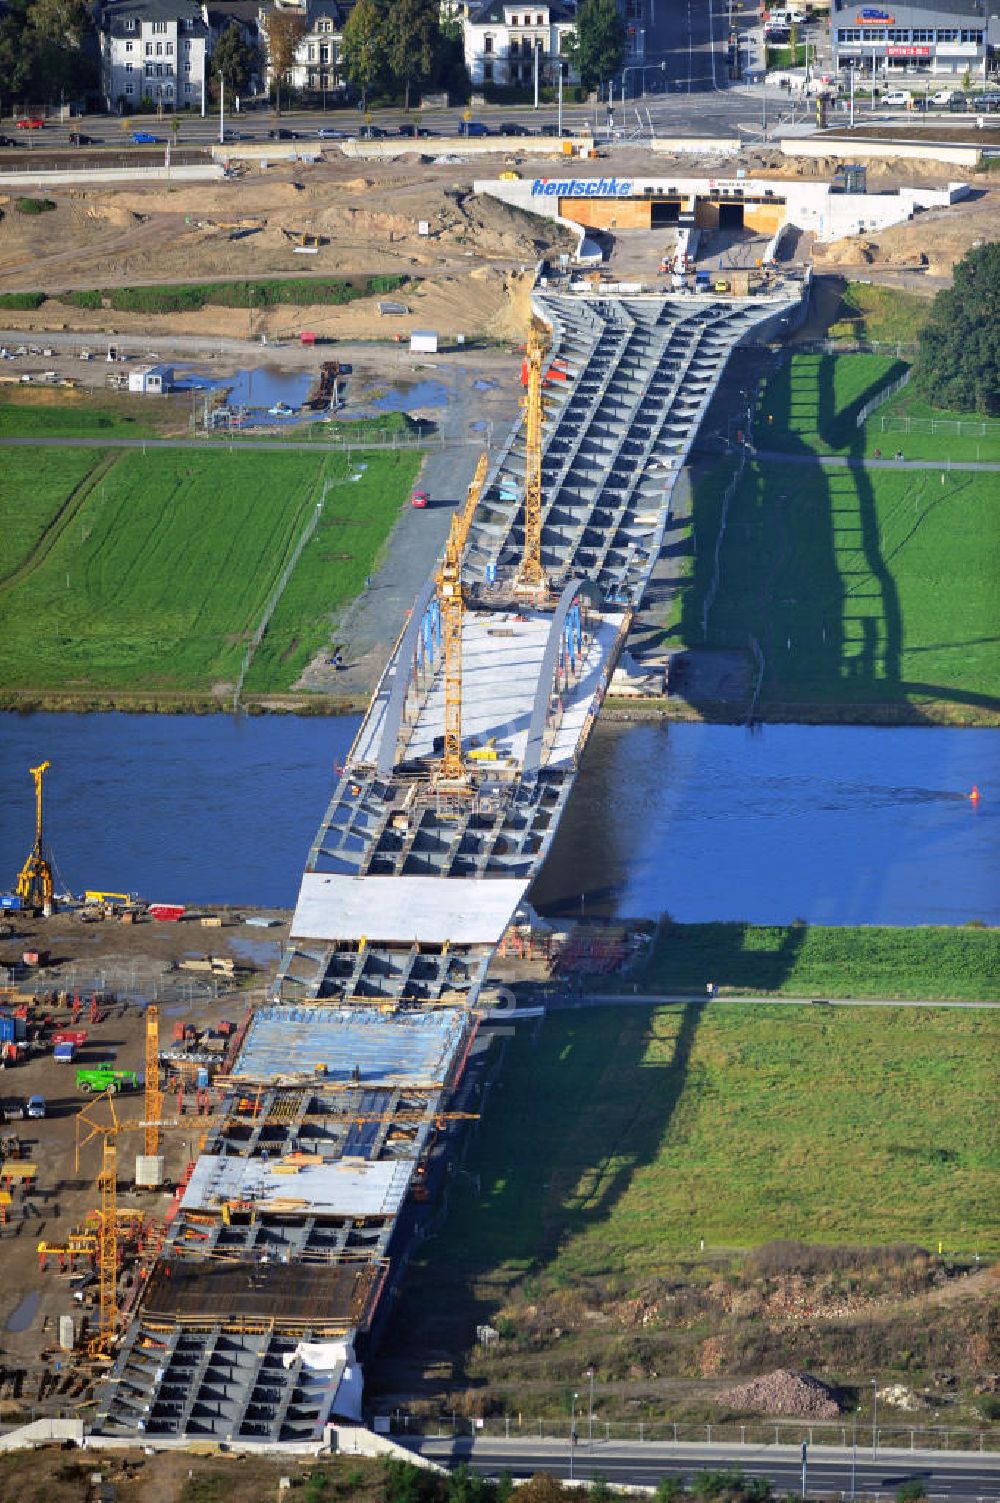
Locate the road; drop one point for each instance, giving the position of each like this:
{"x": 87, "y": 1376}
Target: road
{"x": 971, "y": 1477}
{"x": 850, "y": 462}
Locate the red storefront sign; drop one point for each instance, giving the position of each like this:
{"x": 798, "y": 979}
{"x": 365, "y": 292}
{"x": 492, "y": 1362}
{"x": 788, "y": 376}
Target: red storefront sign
{"x": 908, "y": 51}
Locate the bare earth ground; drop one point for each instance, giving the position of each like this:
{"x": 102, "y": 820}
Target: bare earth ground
{"x": 472, "y": 266}
{"x": 131, "y": 960}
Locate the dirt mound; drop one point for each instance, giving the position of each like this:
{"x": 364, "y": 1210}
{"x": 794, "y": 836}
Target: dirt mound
{"x": 783, "y": 1392}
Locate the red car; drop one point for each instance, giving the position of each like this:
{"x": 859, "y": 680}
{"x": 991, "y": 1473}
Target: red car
{"x": 32, "y": 123}
{"x": 419, "y": 499}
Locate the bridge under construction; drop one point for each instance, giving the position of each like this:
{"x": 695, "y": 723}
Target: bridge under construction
{"x": 342, "y": 1088}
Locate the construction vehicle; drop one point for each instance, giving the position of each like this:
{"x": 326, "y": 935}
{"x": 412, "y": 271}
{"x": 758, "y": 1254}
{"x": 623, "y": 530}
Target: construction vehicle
{"x": 116, "y": 902}
{"x": 34, "y": 881}
{"x": 98, "y": 1078}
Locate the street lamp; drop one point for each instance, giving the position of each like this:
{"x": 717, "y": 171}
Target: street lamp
{"x": 590, "y": 1411}
{"x": 874, "y": 1419}
{"x": 572, "y": 1435}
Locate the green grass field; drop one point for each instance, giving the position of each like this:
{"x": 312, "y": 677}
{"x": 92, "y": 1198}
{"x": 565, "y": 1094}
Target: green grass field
{"x": 617, "y": 1138}
{"x": 32, "y": 496}
{"x": 76, "y": 415}
{"x": 820, "y": 961}
{"x": 874, "y": 313}
{"x": 862, "y": 587}
{"x": 155, "y": 581}
{"x": 811, "y": 407}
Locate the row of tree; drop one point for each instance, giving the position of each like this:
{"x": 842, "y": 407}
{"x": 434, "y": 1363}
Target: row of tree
{"x": 48, "y": 49}
{"x": 44, "y": 51}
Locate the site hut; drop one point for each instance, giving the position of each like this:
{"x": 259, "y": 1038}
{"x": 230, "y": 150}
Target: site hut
{"x": 944, "y": 37}
{"x": 153, "y": 49}
{"x": 757, "y": 205}
{"x": 151, "y": 380}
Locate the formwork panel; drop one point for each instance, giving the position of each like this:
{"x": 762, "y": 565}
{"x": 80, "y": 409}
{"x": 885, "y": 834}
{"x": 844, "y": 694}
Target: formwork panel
{"x": 341, "y": 1043}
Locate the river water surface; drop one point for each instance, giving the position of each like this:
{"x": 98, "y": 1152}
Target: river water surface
{"x": 838, "y": 825}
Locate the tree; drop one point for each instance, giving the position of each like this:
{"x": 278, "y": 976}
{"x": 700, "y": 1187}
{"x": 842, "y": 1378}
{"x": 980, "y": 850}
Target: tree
{"x": 414, "y": 41}
{"x": 284, "y": 30}
{"x": 597, "y": 48}
{"x": 235, "y": 60}
{"x": 363, "y": 51}
{"x": 958, "y": 361}
{"x": 54, "y": 37}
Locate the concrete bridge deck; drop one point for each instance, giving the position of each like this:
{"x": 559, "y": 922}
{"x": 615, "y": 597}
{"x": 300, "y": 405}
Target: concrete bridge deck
{"x": 341, "y": 1081}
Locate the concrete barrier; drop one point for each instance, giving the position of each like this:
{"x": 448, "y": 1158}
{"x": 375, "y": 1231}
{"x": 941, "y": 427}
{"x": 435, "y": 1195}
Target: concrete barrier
{"x": 197, "y": 173}
{"x": 355, "y": 1440}
{"x": 852, "y": 147}
{"x": 42, "y": 1432}
{"x": 699, "y": 145}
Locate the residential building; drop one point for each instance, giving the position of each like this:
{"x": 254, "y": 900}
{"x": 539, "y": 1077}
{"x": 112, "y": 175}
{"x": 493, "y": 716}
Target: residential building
{"x": 502, "y": 38}
{"x": 317, "y": 58}
{"x": 943, "y": 37}
{"x": 153, "y": 50}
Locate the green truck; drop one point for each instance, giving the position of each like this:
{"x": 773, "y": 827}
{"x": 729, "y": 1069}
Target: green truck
{"x": 104, "y": 1078}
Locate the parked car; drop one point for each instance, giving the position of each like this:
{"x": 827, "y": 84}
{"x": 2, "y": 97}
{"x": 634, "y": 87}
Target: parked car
{"x": 959, "y": 105}
{"x": 371, "y": 133}
{"x": 281, "y": 133}
{"x": 8, "y": 141}
{"x": 77, "y": 138}
{"x": 419, "y": 500}
{"x": 328, "y": 133}
{"x": 12, "y": 1108}
{"x": 895, "y": 99}
{"x": 512, "y": 128}
{"x": 143, "y": 138}
{"x": 472, "y": 128}
{"x": 31, "y": 122}
{"x": 36, "y": 1106}
{"x": 986, "y": 103}
{"x": 943, "y": 97}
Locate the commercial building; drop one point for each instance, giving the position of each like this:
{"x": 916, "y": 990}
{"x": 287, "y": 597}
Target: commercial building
{"x": 153, "y": 51}
{"x": 949, "y": 38}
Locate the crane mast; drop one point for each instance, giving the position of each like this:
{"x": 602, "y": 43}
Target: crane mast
{"x": 451, "y": 774}
{"x": 34, "y": 882}
{"x": 153, "y": 1098}
{"x": 531, "y": 577}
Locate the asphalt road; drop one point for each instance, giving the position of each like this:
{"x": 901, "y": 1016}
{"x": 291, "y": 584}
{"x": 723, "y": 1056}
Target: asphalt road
{"x": 971, "y": 1477}
{"x": 561, "y": 1000}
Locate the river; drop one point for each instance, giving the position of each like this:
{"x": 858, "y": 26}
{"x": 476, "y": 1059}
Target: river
{"x": 832, "y": 824}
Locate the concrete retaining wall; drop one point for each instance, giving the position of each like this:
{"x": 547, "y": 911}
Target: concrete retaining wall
{"x": 701, "y": 145}
{"x": 199, "y": 173}
{"x": 849, "y": 150}
{"x": 41, "y": 1433}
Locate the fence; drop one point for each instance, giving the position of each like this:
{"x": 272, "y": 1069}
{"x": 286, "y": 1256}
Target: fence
{"x": 951, "y": 427}
{"x": 898, "y": 350}
{"x": 759, "y": 1432}
{"x": 728, "y": 495}
{"x": 881, "y": 397}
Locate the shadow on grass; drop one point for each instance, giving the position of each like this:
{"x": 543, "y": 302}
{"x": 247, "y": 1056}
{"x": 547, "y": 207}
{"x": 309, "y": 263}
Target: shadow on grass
{"x": 577, "y": 1109}
{"x": 686, "y": 956}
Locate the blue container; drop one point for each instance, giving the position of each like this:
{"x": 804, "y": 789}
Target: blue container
{"x": 201, "y": 1079}
{"x": 10, "y": 900}
{"x": 8, "y": 1029}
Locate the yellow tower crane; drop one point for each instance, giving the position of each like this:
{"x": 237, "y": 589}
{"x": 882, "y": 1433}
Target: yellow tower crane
{"x": 451, "y": 775}
{"x": 531, "y": 577}
{"x": 34, "y": 881}
{"x": 153, "y": 1096}
{"x": 107, "y": 1235}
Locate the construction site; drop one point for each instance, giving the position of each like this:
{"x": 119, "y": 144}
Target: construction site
{"x": 317, "y": 1127}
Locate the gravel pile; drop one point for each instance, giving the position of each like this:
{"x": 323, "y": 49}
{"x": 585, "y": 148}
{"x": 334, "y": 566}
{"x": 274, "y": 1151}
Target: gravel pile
{"x": 784, "y": 1392}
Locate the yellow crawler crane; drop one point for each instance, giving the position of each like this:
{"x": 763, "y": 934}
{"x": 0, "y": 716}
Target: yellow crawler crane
{"x": 451, "y": 775}
{"x": 531, "y": 577}
{"x": 153, "y": 1103}
{"x": 34, "y": 880}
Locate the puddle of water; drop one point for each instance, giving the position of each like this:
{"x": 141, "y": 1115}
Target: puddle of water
{"x": 408, "y": 398}
{"x": 257, "y": 390}
{"x": 260, "y": 951}
{"x": 21, "y": 1318}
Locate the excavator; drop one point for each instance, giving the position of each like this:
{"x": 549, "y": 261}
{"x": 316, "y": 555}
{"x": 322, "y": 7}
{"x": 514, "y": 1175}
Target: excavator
{"x": 34, "y": 881}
